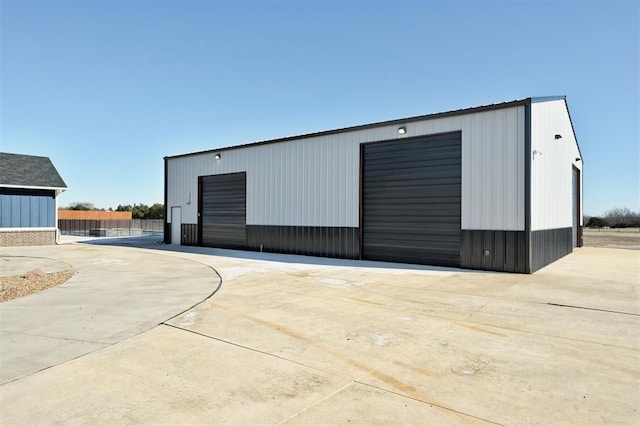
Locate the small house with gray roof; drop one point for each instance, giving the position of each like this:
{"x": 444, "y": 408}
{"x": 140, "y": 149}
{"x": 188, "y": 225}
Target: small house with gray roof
{"x": 29, "y": 189}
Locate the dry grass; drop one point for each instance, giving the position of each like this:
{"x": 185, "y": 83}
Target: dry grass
{"x": 16, "y": 286}
{"x": 626, "y": 238}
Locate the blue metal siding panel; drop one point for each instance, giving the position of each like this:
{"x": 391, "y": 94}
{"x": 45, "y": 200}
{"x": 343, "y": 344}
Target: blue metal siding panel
{"x": 34, "y": 209}
{"x": 50, "y": 208}
{"x": 27, "y": 211}
{"x": 42, "y": 212}
{"x": 15, "y": 211}
{"x": 5, "y": 211}
{"x": 25, "y": 203}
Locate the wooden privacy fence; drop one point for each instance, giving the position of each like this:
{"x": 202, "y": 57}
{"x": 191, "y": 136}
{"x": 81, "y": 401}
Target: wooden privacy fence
{"x": 93, "y": 215}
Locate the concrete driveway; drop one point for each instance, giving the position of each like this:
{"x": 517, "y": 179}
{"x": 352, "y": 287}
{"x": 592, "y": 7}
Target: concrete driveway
{"x": 114, "y": 294}
{"x": 295, "y": 340}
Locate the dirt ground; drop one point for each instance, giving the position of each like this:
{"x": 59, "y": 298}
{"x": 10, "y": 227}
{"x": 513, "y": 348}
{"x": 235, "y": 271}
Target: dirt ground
{"x": 626, "y": 238}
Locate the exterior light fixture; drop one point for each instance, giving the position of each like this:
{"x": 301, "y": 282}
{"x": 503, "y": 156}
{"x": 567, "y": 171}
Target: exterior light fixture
{"x": 402, "y": 130}
{"x": 558, "y": 136}
{"x": 218, "y": 156}
{"x": 577, "y": 158}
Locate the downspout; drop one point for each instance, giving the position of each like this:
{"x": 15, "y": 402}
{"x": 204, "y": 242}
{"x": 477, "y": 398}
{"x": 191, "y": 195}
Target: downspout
{"x": 55, "y": 206}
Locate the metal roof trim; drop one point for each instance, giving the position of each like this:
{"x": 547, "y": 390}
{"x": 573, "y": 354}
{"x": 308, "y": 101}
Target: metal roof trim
{"x": 463, "y": 111}
{"x": 566, "y": 105}
{"x": 47, "y": 188}
{"x": 548, "y": 98}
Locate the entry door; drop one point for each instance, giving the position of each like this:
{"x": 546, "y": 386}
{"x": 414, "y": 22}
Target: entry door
{"x": 223, "y": 210}
{"x": 411, "y": 199}
{"x": 176, "y": 225}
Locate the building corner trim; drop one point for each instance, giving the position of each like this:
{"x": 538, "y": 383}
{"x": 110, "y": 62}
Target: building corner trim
{"x": 167, "y": 235}
{"x": 527, "y": 187}
{"x": 360, "y": 202}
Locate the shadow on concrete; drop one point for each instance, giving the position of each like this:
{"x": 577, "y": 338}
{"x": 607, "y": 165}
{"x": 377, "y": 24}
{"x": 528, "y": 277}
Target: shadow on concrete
{"x": 155, "y": 242}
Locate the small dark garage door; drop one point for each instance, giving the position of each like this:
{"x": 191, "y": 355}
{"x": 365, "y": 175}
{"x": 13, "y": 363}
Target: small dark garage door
{"x": 223, "y": 210}
{"x": 411, "y": 193}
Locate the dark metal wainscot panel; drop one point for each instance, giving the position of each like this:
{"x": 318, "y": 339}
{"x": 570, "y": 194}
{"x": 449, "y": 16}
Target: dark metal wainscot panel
{"x": 493, "y": 250}
{"x": 324, "y": 241}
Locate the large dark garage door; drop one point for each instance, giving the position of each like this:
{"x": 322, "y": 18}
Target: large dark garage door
{"x": 411, "y": 193}
{"x": 223, "y": 211}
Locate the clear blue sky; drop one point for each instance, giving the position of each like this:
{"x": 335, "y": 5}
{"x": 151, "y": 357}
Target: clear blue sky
{"x": 106, "y": 89}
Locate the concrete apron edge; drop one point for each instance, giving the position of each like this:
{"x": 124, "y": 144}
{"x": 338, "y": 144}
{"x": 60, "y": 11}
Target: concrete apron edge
{"x": 105, "y": 345}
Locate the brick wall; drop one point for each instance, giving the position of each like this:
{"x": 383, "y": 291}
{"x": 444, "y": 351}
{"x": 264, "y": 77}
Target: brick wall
{"x": 27, "y": 238}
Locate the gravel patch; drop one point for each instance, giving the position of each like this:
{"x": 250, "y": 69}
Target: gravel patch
{"x": 15, "y": 286}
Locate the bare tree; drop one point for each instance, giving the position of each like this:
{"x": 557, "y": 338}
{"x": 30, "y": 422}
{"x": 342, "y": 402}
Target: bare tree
{"x": 622, "y": 217}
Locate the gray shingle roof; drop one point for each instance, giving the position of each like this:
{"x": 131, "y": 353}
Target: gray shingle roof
{"x": 28, "y": 171}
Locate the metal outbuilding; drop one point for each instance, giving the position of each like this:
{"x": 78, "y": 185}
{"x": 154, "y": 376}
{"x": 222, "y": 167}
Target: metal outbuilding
{"x": 495, "y": 187}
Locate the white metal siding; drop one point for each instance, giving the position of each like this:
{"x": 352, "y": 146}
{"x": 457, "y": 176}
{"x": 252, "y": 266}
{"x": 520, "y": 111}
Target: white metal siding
{"x": 492, "y": 166}
{"x": 182, "y": 184}
{"x": 551, "y": 171}
{"x": 315, "y": 181}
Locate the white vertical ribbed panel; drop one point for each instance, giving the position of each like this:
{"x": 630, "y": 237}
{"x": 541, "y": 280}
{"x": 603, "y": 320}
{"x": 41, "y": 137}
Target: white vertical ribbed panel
{"x": 551, "y": 166}
{"x": 182, "y": 184}
{"x": 314, "y": 181}
{"x": 492, "y": 166}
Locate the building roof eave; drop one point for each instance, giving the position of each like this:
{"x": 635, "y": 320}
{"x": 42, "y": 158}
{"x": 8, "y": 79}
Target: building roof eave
{"x": 58, "y": 189}
{"x": 471, "y": 110}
